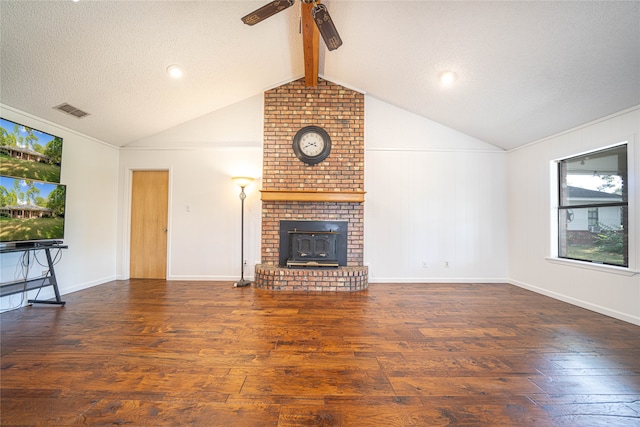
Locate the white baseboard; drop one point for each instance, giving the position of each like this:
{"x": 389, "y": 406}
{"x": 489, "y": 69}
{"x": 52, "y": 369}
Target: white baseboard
{"x": 401, "y": 280}
{"x": 580, "y": 303}
{"x": 86, "y": 285}
{"x": 207, "y": 278}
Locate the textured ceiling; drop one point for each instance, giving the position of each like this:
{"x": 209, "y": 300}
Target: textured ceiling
{"x": 526, "y": 70}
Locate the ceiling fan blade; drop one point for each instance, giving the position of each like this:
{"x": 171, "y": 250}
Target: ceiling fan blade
{"x": 325, "y": 26}
{"x": 266, "y": 11}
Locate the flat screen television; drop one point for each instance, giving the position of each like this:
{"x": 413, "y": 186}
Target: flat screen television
{"x": 29, "y": 153}
{"x": 30, "y": 211}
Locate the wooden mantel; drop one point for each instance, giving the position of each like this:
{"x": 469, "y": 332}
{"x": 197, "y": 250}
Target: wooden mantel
{"x": 312, "y": 196}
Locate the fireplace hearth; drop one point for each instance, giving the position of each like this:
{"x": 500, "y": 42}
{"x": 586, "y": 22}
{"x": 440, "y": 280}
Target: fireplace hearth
{"x": 313, "y": 243}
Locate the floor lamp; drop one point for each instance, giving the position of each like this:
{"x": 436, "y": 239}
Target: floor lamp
{"x": 242, "y": 182}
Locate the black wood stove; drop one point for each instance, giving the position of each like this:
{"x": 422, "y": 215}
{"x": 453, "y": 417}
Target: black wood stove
{"x": 312, "y": 248}
{"x": 313, "y": 243}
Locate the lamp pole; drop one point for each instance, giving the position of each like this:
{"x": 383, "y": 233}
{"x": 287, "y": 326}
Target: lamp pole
{"x": 242, "y": 183}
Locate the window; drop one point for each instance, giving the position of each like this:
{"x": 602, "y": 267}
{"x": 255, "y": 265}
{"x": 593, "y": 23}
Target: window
{"x": 593, "y": 213}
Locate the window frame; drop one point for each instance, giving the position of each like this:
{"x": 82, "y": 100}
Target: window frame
{"x": 622, "y": 204}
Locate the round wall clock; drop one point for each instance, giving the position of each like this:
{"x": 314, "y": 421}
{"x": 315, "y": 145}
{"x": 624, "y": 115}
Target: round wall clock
{"x": 312, "y": 144}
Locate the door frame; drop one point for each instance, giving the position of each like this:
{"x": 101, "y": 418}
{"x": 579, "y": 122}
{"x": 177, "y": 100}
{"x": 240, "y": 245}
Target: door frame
{"x": 126, "y": 229}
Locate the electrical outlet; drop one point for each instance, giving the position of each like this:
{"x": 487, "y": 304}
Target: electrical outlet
{"x": 446, "y": 264}
{"x": 424, "y": 264}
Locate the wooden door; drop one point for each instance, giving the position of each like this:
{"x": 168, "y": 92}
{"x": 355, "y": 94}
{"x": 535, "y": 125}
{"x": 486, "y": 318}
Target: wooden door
{"x": 149, "y": 213}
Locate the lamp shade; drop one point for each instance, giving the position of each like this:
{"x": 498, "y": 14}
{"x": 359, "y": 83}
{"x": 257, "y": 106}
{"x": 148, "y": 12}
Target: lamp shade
{"x": 242, "y": 181}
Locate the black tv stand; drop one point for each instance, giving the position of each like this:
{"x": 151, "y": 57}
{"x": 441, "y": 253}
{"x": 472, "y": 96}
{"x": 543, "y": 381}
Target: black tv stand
{"x": 25, "y": 285}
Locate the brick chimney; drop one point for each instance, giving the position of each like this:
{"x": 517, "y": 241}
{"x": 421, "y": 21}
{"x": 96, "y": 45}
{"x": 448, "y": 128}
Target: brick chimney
{"x": 329, "y": 191}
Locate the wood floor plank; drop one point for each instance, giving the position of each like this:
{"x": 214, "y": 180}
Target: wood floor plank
{"x": 158, "y": 353}
{"x": 499, "y": 387}
{"x": 589, "y": 384}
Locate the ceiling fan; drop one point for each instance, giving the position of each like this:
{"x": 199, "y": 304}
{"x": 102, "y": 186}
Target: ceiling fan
{"x": 319, "y": 13}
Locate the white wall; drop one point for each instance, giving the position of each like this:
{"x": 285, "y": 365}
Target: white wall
{"x": 202, "y": 156}
{"x": 532, "y": 217}
{"x": 434, "y": 196}
{"x": 238, "y": 125}
{"x": 90, "y": 171}
{"x": 204, "y": 210}
{"x": 456, "y": 212}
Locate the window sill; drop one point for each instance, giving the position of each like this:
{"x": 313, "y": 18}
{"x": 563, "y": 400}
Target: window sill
{"x": 593, "y": 266}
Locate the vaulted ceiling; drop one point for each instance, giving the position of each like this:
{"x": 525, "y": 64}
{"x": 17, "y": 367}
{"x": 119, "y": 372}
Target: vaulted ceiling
{"x": 525, "y": 70}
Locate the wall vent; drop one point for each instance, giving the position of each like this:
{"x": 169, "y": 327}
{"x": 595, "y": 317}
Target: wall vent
{"x": 70, "y": 109}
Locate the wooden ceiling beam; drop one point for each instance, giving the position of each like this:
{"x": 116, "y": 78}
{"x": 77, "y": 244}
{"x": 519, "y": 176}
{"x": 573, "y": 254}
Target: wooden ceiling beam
{"x": 311, "y": 45}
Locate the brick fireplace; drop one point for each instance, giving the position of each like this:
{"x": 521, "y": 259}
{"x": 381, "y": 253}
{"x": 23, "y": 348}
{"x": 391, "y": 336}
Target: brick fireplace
{"x": 332, "y": 190}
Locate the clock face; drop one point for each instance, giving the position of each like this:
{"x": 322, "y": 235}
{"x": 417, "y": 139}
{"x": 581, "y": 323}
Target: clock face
{"x": 312, "y": 144}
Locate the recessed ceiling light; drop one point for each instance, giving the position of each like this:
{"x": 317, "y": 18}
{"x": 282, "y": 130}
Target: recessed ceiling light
{"x": 447, "y": 78}
{"x": 174, "y": 71}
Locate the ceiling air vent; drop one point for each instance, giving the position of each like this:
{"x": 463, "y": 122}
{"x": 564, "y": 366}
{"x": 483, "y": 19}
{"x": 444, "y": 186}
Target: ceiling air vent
{"x": 70, "y": 109}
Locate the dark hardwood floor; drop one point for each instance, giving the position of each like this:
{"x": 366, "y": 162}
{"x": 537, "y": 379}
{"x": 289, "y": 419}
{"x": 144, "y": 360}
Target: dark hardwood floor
{"x": 156, "y": 353}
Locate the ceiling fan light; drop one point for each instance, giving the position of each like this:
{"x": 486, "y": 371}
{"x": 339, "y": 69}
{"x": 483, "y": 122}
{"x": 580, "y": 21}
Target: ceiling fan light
{"x": 325, "y": 26}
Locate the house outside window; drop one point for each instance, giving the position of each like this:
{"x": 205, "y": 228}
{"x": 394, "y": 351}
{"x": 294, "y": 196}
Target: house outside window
{"x": 593, "y": 207}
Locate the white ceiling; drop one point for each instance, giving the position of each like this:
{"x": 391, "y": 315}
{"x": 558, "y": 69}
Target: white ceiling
{"x": 526, "y": 70}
